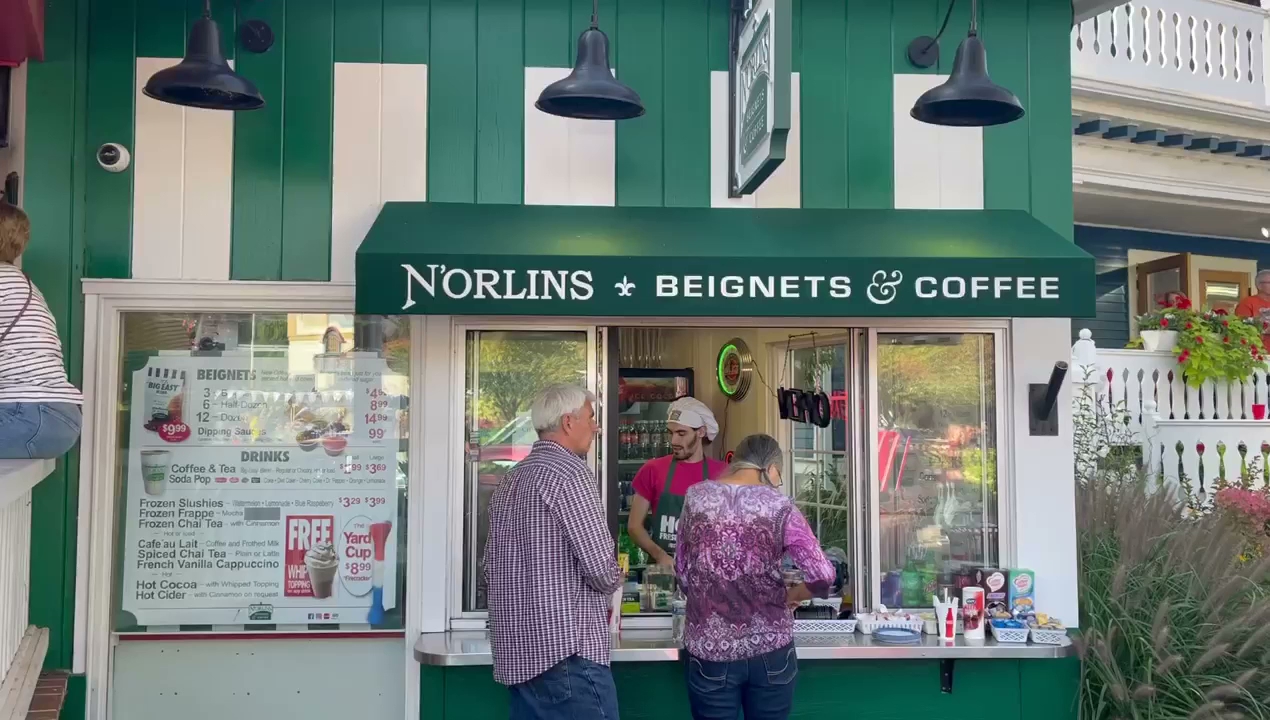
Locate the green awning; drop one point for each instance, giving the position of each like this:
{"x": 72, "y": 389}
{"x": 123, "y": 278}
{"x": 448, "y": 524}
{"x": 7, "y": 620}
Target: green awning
{"x": 462, "y": 259}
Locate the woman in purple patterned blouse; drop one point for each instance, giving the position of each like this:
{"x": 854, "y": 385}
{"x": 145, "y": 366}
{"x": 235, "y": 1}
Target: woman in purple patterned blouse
{"x": 733, "y": 534}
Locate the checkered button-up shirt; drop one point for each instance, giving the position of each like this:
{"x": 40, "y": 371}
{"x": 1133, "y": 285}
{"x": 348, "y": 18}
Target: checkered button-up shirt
{"x": 550, "y": 564}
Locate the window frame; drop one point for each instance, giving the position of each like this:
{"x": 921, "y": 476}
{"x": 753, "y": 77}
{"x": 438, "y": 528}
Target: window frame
{"x": 860, "y": 333}
{"x": 105, "y": 302}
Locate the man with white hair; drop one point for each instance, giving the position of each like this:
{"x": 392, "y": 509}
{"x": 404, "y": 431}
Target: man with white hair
{"x": 1258, "y": 306}
{"x": 551, "y": 568}
{"x": 660, "y": 485}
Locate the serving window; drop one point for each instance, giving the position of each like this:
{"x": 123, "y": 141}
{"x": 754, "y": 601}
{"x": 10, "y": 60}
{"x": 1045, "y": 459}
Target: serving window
{"x": 262, "y": 465}
{"x": 899, "y": 482}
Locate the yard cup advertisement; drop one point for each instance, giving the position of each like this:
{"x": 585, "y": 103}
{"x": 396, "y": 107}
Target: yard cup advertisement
{"x": 259, "y": 492}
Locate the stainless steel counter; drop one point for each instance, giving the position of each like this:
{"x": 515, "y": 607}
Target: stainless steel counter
{"x": 472, "y": 648}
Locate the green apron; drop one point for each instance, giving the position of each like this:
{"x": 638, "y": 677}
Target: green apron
{"x": 663, "y": 525}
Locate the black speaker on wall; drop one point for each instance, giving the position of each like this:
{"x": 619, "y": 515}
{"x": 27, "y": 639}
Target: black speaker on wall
{"x": 6, "y": 75}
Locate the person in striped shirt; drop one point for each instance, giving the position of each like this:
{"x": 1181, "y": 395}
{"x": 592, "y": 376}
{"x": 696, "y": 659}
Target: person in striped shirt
{"x": 39, "y": 407}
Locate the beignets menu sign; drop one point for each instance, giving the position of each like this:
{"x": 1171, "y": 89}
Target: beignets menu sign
{"x": 259, "y": 492}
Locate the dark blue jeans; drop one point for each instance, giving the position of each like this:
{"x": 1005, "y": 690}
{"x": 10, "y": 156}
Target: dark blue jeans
{"x": 38, "y": 430}
{"x": 761, "y": 686}
{"x": 573, "y": 689}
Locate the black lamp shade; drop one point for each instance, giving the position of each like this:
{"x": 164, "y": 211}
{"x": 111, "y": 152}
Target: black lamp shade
{"x": 591, "y": 92}
{"x": 203, "y": 79}
{"x": 968, "y": 98}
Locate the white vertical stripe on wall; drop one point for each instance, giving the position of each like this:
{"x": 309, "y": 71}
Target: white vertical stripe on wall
{"x": 567, "y": 162}
{"x": 403, "y": 145}
{"x": 783, "y": 189}
{"x": 182, "y": 173}
{"x": 935, "y": 167}
{"x": 379, "y": 150}
{"x": 355, "y": 161}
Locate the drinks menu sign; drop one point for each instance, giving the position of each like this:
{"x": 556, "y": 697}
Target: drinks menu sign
{"x": 259, "y": 494}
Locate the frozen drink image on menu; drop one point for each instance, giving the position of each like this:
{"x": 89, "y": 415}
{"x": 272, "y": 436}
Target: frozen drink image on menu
{"x": 154, "y": 470}
{"x": 661, "y": 483}
{"x": 379, "y": 536}
{"x": 322, "y": 563}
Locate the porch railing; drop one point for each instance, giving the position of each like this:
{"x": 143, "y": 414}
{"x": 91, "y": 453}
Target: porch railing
{"x": 21, "y": 646}
{"x": 1195, "y": 438}
{"x": 1211, "y": 48}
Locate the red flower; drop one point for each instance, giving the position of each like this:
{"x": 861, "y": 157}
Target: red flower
{"x": 1199, "y": 340}
{"x": 1164, "y": 322}
{"x": 1182, "y": 302}
{"x": 1226, "y": 340}
{"x": 1221, "y": 311}
{"x": 1189, "y": 326}
{"x": 1225, "y": 323}
{"x": 1243, "y": 341}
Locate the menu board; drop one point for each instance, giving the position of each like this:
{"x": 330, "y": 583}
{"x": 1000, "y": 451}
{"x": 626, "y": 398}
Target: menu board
{"x": 261, "y": 492}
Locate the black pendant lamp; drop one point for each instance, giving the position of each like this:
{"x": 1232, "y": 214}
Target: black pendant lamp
{"x": 968, "y": 98}
{"x": 591, "y": 92}
{"x": 203, "y": 78}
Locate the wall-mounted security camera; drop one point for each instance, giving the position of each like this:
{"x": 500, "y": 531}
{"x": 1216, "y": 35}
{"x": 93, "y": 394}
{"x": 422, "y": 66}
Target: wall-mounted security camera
{"x": 113, "y": 157}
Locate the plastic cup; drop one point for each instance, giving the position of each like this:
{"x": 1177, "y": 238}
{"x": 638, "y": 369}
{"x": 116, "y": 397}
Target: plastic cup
{"x": 1258, "y": 412}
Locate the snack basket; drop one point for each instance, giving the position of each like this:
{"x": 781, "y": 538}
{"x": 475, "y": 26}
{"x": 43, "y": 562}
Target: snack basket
{"x": 870, "y": 622}
{"x": 824, "y": 627}
{"x": 1008, "y": 635}
{"x": 1042, "y": 636}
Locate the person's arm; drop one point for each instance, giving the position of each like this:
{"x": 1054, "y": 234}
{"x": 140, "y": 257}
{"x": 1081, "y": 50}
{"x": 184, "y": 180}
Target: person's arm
{"x": 577, "y": 508}
{"x": 1244, "y": 308}
{"x": 804, "y": 548}
{"x": 683, "y": 545}
{"x": 641, "y": 503}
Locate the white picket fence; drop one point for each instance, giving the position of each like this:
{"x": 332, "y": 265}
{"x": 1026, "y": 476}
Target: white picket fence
{"x": 1205, "y": 435}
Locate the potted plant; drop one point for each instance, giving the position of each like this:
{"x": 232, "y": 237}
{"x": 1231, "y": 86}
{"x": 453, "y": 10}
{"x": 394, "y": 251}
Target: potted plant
{"x": 1214, "y": 345}
{"x": 1158, "y": 328}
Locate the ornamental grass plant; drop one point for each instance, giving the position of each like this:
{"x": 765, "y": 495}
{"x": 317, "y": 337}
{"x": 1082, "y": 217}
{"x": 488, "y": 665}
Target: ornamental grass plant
{"x": 1174, "y": 600}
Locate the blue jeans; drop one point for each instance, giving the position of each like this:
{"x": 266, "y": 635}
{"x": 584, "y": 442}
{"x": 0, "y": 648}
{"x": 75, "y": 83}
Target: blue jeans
{"x": 573, "y": 689}
{"x": 38, "y": 430}
{"x": 762, "y": 686}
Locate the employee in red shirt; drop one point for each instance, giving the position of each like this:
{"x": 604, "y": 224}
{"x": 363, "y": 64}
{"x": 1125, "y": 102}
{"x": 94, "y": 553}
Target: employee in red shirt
{"x": 661, "y": 483}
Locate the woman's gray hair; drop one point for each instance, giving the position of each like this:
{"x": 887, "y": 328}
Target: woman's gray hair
{"x": 757, "y": 452}
{"x": 556, "y": 401}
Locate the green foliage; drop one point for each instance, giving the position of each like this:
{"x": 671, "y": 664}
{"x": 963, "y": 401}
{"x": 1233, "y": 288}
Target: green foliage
{"x": 1216, "y": 346}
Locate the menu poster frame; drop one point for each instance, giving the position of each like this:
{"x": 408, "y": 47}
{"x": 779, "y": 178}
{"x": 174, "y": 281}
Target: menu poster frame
{"x": 256, "y": 493}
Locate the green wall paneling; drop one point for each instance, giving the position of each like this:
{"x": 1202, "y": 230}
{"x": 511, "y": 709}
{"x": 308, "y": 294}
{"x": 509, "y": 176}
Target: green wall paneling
{"x": 686, "y": 103}
{"x": 308, "y": 99}
{"x": 1007, "y": 148}
{"x": 1049, "y": 64}
{"x": 111, "y": 98}
{"x": 500, "y": 101}
{"x": 359, "y": 31}
{"x": 823, "y": 111}
{"x": 256, "y": 245}
{"x": 407, "y": 24}
{"x": 549, "y": 38}
{"x": 160, "y": 26}
{"x": 452, "y": 102}
{"x": 641, "y": 65}
{"x": 870, "y": 118}
{"x": 52, "y": 194}
{"x": 878, "y": 690}
{"x": 718, "y": 39}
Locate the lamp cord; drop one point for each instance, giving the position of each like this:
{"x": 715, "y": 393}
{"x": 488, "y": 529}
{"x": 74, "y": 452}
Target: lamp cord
{"x": 595, "y": 14}
{"x": 207, "y": 8}
{"x": 947, "y": 16}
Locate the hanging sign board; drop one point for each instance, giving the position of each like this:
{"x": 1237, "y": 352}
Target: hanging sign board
{"x": 760, "y": 72}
